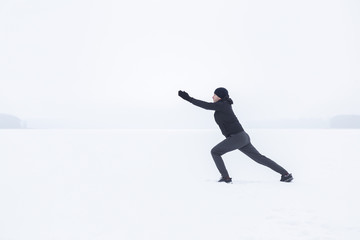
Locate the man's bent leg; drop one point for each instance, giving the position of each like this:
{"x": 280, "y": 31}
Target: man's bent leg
{"x": 229, "y": 144}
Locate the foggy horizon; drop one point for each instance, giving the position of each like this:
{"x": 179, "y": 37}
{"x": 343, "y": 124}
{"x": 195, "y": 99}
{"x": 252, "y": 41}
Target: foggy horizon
{"x": 171, "y": 120}
{"x": 278, "y": 59}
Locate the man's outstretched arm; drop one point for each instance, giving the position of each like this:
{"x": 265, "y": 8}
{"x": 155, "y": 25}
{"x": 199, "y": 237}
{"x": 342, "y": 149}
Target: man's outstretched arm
{"x": 206, "y": 105}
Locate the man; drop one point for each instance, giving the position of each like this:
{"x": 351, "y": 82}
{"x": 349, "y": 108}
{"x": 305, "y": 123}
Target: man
{"x": 236, "y": 137}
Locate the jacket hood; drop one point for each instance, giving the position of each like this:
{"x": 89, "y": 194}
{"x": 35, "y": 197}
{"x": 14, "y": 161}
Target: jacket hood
{"x": 227, "y": 99}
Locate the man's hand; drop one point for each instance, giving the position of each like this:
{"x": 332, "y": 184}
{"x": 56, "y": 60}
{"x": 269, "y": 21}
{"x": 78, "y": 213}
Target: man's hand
{"x": 184, "y": 95}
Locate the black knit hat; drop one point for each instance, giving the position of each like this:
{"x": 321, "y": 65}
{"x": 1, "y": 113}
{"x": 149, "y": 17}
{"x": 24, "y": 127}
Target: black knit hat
{"x": 221, "y": 92}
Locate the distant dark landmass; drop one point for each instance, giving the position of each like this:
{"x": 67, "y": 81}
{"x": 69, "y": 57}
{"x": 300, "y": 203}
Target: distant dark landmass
{"x": 338, "y": 121}
{"x": 345, "y": 121}
{"x": 10, "y": 122}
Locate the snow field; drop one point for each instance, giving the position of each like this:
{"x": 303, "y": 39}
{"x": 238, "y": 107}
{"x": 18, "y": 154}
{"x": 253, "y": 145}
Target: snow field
{"x": 161, "y": 184}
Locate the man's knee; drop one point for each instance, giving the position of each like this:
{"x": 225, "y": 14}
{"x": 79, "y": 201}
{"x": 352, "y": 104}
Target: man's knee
{"x": 216, "y": 151}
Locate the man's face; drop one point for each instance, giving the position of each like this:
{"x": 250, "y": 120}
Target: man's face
{"x": 215, "y": 98}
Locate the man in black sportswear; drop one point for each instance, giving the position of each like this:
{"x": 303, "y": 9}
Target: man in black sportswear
{"x": 236, "y": 137}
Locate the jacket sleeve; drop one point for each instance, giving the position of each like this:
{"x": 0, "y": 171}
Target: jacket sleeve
{"x": 207, "y": 105}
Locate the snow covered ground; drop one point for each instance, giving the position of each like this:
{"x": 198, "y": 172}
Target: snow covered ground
{"x": 161, "y": 184}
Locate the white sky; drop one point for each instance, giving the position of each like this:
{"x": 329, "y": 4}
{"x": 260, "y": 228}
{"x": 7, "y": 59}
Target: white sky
{"x": 292, "y": 59}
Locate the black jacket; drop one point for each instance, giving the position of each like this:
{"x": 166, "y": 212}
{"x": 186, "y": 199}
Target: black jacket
{"x": 224, "y": 115}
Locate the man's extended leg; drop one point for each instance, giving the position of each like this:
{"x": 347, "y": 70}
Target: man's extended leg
{"x": 251, "y": 152}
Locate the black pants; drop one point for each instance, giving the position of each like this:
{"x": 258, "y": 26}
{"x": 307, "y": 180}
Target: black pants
{"x": 242, "y": 142}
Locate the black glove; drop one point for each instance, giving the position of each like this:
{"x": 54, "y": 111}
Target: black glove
{"x": 184, "y": 95}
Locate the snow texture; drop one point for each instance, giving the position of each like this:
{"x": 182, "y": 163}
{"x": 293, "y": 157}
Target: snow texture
{"x": 161, "y": 184}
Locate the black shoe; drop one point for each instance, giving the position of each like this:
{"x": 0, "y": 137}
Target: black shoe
{"x": 225, "y": 179}
{"x": 286, "y": 178}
